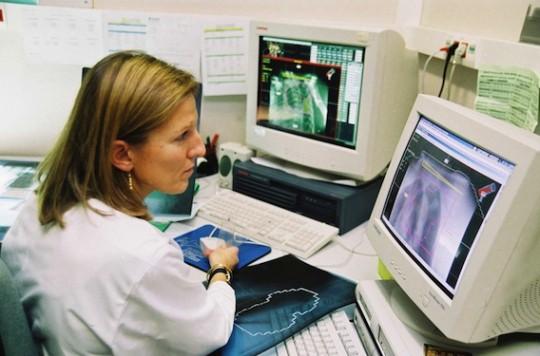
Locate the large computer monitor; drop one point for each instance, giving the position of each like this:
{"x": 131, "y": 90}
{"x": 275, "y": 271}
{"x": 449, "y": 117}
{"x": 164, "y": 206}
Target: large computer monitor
{"x": 330, "y": 99}
{"x": 457, "y": 221}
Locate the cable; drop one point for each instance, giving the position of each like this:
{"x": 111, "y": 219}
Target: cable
{"x": 422, "y": 75}
{"x": 450, "y": 78}
{"x": 460, "y": 53}
{"x": 352, "y": 251}
{"x": 342, "y": 263}
{"x": 449, "y": 54}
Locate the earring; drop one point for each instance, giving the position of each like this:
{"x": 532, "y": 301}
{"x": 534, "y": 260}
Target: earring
{"x": 130, "y": 181}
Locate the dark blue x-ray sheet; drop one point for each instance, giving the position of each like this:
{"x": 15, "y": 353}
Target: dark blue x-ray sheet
{"x": 277, "y": 298}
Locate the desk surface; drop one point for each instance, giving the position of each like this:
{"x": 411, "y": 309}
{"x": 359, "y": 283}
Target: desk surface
{"x": 336, "y": 257}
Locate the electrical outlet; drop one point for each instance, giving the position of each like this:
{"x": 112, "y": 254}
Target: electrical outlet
{"x": 450, "y": 42}
{"x": 461, "y": 51}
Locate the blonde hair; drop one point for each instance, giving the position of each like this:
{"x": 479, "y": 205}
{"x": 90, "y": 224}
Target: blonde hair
{"x": 124, "y": 96}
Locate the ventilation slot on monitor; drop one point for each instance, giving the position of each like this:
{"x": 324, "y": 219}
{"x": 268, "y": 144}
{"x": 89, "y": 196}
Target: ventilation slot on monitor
{"x": 383, "y": 342}
{"x": 523, "y": 313}
{"x": 363, "y": 305}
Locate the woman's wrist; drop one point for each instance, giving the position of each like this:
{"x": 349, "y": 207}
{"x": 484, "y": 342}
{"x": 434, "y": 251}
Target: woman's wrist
{"x": 219, "y": 272}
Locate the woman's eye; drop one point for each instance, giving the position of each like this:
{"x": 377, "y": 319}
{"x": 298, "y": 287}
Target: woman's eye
{"x": 184, "y": 135}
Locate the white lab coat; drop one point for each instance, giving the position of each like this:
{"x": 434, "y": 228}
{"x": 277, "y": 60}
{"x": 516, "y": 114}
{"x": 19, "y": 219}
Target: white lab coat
{"x": 113, "y": 285}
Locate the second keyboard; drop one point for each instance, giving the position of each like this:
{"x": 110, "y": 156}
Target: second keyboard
{"x": 266, "y": 223}
{"x": 332, "y": 335}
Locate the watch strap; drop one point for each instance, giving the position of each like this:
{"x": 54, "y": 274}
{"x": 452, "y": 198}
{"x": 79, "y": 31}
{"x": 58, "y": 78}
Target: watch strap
{"x": 219, "y": 268}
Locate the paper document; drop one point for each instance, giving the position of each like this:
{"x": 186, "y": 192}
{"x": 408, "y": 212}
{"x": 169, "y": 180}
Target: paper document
{"x": 172, "y": 38}
{"x": 176, "y": 39}
{"x": 57, "y": 34}
{"x": 509, "y": 94}
{"x": 63, "y": 35}
{"x": 124, "y": 31}
{"x": 224, "y": 58}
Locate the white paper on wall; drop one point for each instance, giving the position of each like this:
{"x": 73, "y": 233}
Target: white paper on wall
{"x": 58, "y": 35}
{"x": 224, "y": 56}
{"x": 173, "y": 38}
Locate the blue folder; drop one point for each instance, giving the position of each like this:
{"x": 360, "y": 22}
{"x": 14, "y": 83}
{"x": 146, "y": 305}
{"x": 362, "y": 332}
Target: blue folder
{"x": 278, "y": 298}
{"x": 248, "y": 251}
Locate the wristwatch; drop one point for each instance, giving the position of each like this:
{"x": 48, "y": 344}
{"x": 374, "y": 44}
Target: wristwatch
{"x": 219, "y": 268}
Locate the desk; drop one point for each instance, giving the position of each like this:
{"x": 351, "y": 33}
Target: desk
{"x": 336, "y": 258}
{"x": 333, "y": 258}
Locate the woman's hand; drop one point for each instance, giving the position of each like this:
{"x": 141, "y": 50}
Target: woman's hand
{"x": 227, "y": 256}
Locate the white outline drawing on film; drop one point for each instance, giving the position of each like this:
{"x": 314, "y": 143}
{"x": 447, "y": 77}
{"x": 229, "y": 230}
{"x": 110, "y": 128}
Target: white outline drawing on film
{"x": 293, "y": 317}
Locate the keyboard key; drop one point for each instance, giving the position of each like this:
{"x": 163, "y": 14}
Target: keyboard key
{"x": 291, "y": 347}
{"x": 331, "y": 337}
{"x": 281, "y": 350}
{"x": 348, "y": 334}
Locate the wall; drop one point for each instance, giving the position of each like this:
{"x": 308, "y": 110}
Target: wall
{"x": 494, "y": 19}
{"x": 350, "y": 11}
{"x": 500, "y": 19}
{"x": 35, "y": 100}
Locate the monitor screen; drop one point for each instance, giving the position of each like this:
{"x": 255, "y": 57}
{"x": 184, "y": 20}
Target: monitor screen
{"x": 440, "y": 197}
{"x": 310, "y": 88}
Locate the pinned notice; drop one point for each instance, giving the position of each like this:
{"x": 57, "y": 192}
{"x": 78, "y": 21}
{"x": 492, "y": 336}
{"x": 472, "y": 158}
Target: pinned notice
{"x": 509, "y": 94}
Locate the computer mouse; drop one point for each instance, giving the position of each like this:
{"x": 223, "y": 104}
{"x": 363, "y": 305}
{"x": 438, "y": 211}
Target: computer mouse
{"x": 209, "y": 244}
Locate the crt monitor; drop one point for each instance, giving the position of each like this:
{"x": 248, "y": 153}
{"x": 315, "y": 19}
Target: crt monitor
{"x": 457, "y": 224}
{"x": 329, "y": 99}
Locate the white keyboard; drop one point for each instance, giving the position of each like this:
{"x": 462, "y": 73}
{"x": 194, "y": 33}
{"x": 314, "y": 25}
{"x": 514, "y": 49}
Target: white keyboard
{"x": 332, "y": 335}
{"x": 266, "y": 223}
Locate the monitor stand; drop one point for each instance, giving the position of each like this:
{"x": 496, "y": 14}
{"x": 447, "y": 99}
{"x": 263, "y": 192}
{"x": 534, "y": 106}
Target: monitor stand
{"x": 414, "y": 318}
{"x": 397, "y": 326}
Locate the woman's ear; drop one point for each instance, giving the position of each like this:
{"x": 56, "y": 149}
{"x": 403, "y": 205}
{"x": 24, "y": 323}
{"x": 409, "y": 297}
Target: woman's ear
{"x": 120, "y": 156}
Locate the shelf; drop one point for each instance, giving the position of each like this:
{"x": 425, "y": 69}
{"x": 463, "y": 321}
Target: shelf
{"x": 480, "y": 51}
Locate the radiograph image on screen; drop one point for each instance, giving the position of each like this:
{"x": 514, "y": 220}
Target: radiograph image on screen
{"x": 299, "y": 96}
{"x": 433, "y": 208}
{"x": 436, "y": 207}
{"x": 298, "y": 102}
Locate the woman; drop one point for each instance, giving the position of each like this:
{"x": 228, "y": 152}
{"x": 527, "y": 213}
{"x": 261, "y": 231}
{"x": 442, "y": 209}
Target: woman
{"x": 95, "y": 277}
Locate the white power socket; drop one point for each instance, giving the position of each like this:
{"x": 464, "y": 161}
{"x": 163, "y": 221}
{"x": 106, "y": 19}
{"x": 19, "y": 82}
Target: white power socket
{"x": 461, "y": 51}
